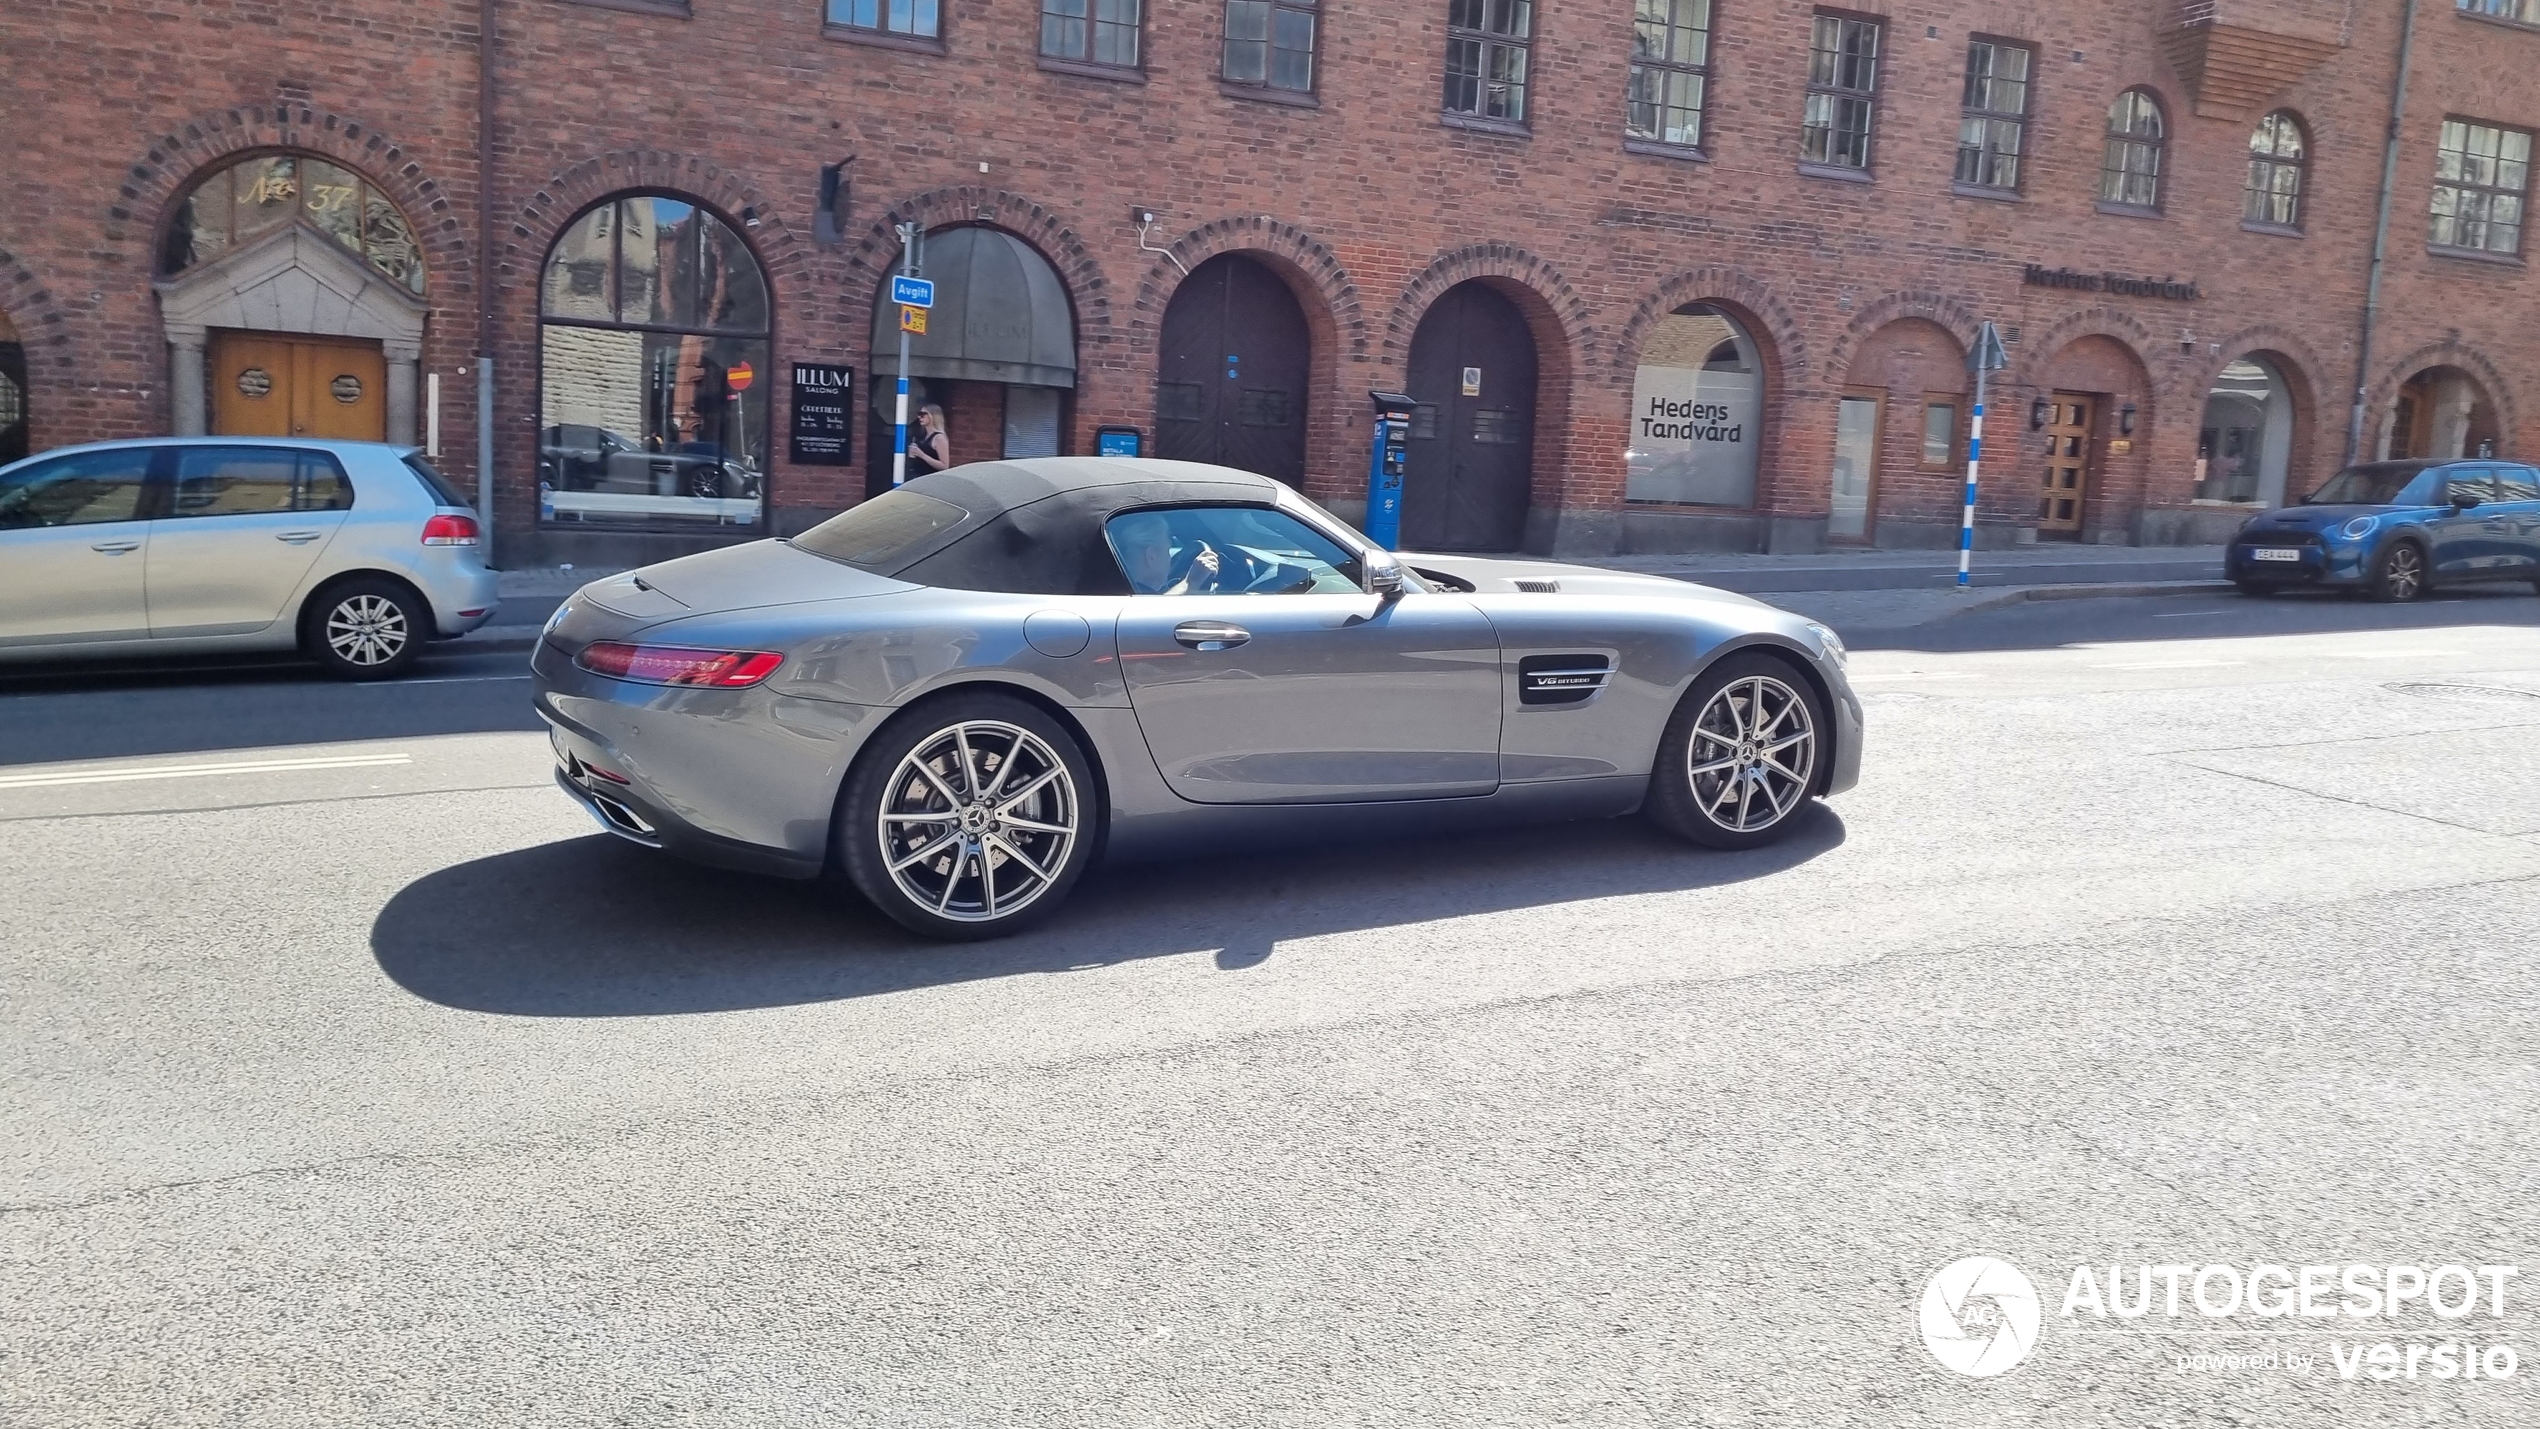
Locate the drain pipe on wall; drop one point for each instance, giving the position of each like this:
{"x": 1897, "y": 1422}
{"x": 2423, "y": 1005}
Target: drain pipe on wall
{"x": 2380, "y": 234}
{"x": 486, "y": 272}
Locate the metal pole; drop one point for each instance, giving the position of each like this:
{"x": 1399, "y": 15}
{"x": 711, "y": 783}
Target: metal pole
{"x": 899, "y": 437}
{"x": 485, "y": 80}
{"x": 2380, "y": 235}
{"x": 1975, "y": 456}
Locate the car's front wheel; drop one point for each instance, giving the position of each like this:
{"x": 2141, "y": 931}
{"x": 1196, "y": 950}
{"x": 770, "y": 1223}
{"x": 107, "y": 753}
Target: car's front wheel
{"x": 1740, "y": 758}
{"x": 969, "y": 817}
{"x": 367, "y": 629}
{"x": 2399, "y": 573}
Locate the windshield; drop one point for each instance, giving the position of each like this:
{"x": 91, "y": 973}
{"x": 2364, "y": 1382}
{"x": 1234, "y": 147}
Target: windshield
{"x": 2376, "y": 484}
{"x": 883, "y": 534}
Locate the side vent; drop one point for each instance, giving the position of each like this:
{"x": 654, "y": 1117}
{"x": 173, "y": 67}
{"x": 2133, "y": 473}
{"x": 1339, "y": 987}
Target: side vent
{"x": 1538, "y": 587}
{"x": 1561, "y": 679}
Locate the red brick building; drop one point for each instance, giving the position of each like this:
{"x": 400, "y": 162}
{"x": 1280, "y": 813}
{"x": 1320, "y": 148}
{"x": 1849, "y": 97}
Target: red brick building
{"x": 1697, "y": 274}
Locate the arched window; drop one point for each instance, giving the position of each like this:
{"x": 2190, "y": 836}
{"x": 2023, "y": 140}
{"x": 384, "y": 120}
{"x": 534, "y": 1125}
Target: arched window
{"x": 1697, "y": 412}
{"x": 2130, "y": 174}
{"x": 244, "y": 202}
{"x": 653, "y": 369}
{"x": 2277, "y": 157}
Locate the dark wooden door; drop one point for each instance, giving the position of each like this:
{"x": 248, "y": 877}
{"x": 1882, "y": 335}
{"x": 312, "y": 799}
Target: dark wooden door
{"x": 2065, "y": 479}
{"x": 1472, "y": 435}
{"x": 1230, "y": 385}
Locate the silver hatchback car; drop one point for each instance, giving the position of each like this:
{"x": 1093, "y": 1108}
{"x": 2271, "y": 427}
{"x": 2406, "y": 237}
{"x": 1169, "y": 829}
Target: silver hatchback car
{"x": 355, "y": 553}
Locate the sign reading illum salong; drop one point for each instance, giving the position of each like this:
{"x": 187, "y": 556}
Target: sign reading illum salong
{"x": 2037, "y": 275}
{"x": 823, "y": 393}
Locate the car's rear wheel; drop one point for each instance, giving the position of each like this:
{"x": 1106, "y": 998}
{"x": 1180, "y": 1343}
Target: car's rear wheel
{"x": 1740, "y": 758}
{"x": 366, "y": 629}
{"x": 2399, "y": 573}
{"x": 969, "y": 817}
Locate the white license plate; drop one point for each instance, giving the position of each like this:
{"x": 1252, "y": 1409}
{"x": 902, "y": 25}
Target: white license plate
{"x": 2274, "y": 553}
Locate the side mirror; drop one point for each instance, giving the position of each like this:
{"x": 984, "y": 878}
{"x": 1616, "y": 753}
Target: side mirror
{"x": 2462, "y": 500}
{"x": 1384, "y": 577}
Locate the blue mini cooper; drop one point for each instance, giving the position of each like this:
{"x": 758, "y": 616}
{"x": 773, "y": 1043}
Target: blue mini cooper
{"x": 2397, "y": 529}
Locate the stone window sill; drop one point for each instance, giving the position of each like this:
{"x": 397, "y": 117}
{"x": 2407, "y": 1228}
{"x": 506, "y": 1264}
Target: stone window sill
{"x": 674, "y": 9}
{"x": 1962, "y": 189}
{"x": 2279, "y": 230}
{"x": 2125, "y": 210}
{"x": 2476, "y": 255}
{"x": 1837, "y": 172}
{"x": 1659, "y": 149}
{"x": 1505, "y": 128}
{"x": 884, "y": 39}
{"x": 1086, "y": 69}
{"x": 1264, "y": 94}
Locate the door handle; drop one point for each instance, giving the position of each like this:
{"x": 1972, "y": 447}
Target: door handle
{"x": 1210, "y": 634}
{"x": 116, "y": 548}
{"x": 298, "y": 538}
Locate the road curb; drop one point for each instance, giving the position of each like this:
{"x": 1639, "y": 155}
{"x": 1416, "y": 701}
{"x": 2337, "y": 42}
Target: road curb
{"x": 2021, "y": 595}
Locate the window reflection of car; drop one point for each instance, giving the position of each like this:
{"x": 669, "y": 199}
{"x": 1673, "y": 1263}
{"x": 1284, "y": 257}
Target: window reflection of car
{"x": 573, "y": 457}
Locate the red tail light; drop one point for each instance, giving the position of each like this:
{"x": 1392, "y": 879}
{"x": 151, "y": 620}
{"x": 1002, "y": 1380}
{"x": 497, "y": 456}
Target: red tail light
{"x": 678, "y": 664}
{"x": 446, "y": 530}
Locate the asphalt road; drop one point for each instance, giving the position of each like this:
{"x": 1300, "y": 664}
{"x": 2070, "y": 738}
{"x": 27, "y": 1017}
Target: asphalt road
{"x": 370, "y": 1085}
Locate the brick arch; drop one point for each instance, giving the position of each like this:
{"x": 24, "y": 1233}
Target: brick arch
{"x": 567, "y": 196}
{"x": 2308, "y": 375}
{"x": 1553, "y": 309}
{"x": 2449, "y": 351}
{"x": 145, "y": 199}
{"x": 43, "y": 329}
{"x": 871, "y": 261}
{"x": 1768, "y": 320}
{"x": 1934, "y": 308}
{"x": 1308, "y": 265}
{"x": 2113, "y": 323}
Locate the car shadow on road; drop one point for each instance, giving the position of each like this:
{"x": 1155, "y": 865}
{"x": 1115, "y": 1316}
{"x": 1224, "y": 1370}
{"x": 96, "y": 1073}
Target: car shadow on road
{"x": 592, "y": 927}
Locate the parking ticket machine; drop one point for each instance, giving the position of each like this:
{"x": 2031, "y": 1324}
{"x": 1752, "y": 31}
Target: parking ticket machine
{"x": 1385, "y": 458}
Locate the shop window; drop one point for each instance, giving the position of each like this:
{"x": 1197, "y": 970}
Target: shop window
{"x": 1843, "y": 74}
{"x": 654, "y": 369}
{"x": 1102, "y": 32}
{"x": 1270, "y": 44}
{"x": 1993, "y": 119}
{"x": 1486, "y": 53}
{"x": 2520, "y": 12}
{"x": 1671, "y": 72}
{"x": 2130, "y": 164}
{"x": 2277, "y": 158}
{"x": 914, "y": 19}
{"x": 1697, "y": 412}
{"x": 2481, "y": 172}
{"x": 248, "y": 200}
{"x": 1940, "y": 433}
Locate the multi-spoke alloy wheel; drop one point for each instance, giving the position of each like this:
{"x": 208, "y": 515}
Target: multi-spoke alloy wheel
{"x": 1741, "y": 755}
{"x": 366, "y": 630}
{"x": 2401, "y": 575}
{"x": 969, "y": 817}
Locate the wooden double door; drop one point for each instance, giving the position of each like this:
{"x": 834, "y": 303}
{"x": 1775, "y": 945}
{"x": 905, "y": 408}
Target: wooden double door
{"x": 1470, "y": 465}
{"x": 1231, "y": 380}
{"x": 273, "y": 385}
{"x": 2065, "y": 478}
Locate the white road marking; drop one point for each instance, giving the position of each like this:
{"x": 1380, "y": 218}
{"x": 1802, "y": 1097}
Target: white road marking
{"x": 1914, "y": 675}
{"x": 2384, "y": 654}
{"x": 2172, "y": 665}
{"x": 2189, "y": 614}
{"x": 198, "y": 771}
{"x": 435, "y": 680}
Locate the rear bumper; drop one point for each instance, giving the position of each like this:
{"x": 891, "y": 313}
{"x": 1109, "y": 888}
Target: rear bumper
{"x": 454, "y": 589}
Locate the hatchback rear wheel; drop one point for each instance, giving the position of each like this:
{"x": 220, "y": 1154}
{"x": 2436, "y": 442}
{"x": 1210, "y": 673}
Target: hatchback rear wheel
{"x": 366, "y": 629}
{"x": 971, "y": 817}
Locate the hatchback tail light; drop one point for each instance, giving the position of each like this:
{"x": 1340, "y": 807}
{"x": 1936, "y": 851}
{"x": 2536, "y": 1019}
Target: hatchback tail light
{"x": 678, "y": 664}
{"x": 447, "y": 530}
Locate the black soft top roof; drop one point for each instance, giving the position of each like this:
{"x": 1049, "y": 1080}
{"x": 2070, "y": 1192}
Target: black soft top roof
{"x": 988, "y": 487}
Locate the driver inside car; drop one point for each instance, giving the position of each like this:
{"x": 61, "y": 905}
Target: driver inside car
{"x": 1145, "y": 543}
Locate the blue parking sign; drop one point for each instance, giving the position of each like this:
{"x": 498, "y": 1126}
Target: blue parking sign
{"x": 912, "y": 292}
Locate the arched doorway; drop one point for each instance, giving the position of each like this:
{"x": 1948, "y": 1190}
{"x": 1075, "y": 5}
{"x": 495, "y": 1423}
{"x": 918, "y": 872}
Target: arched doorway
{"x": 2244, "y": 440}
{"x": 291, "y": 289}
{"x": 1231, "y": 375}
{"x": 2441, "y": 412}
{"x": 13, "y": 404}
{"x": 2085, "y": 413}
{"x": 1471, "y": 467}
{"x": 1697, "y": 412}
{"x": 998, "y": 354}
{"x": 1896, "y": 428}
{"x": 654, "y": 369}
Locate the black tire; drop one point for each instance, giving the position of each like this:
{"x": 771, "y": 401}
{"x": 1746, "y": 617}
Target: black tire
{"x": 1742, "y": 765}
{"x": 2399, "y": 573}
{"x": 982, "y": 838}
{"x": 368, "y": 628}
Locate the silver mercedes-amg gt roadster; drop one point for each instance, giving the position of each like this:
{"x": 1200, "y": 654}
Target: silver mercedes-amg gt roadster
{"x": 962, "y": 693}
